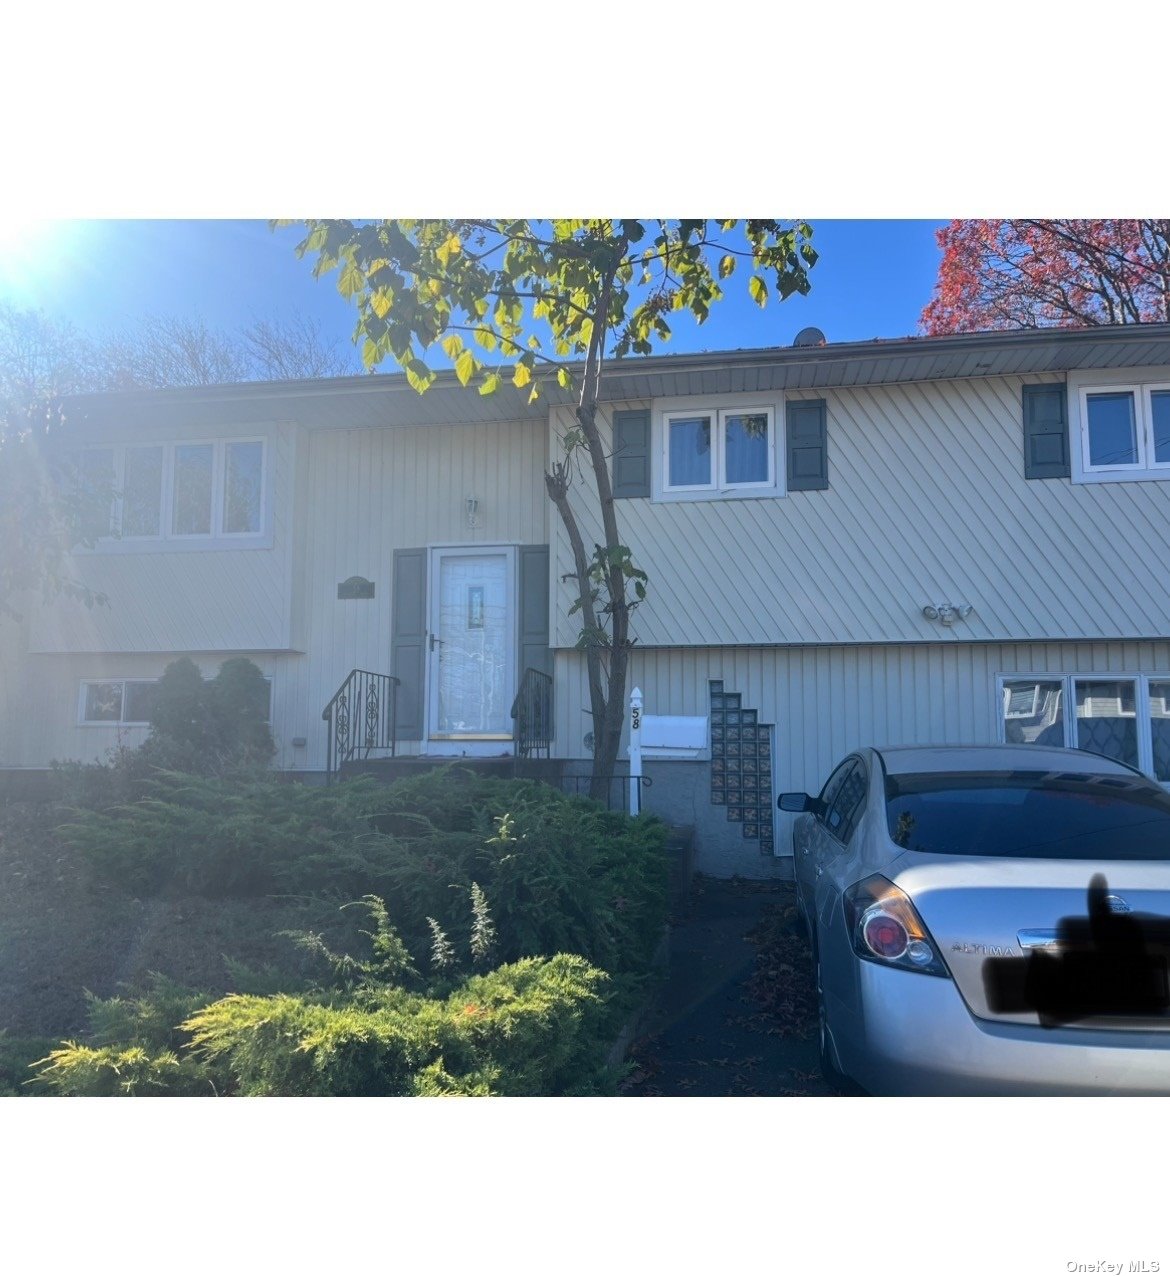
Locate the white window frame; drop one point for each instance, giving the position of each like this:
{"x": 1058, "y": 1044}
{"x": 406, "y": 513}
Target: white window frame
{"x": 167, "y": 539}
{"x": 119, "y": 723}
{"x": 83, "y": 721}
{"x": 1117, "y": 381}
{"x": 718, "y": 408}
{"x": 1141, "y": 681}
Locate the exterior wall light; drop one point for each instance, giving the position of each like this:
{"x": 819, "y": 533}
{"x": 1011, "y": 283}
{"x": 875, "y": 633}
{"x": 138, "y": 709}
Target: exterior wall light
{"x": 471, "y": 504}
{"x": 947, "y": 613}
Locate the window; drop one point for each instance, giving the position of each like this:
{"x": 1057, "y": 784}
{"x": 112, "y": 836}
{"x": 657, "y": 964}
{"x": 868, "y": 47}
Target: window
{"x": 721, "y": 451}
{"x": 1032, "y": 814}
{"x": 848, "y": 804}
{"x": 180, "y": 494}
{"x": 1125, "y": 429}
{"x": 142, "y": 487}
{"x": 127, "y": 701}
{"x": 1122, "y": 717}
{"x": 192, "y": 496}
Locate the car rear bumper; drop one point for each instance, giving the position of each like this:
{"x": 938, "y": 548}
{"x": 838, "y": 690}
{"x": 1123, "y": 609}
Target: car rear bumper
{"x": 915, "y": 1036}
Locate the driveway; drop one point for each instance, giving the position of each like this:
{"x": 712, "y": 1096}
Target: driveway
{"x": 737, "y": 1014}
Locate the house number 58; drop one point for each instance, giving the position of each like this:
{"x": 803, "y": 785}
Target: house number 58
{"x": 636, "y": 718}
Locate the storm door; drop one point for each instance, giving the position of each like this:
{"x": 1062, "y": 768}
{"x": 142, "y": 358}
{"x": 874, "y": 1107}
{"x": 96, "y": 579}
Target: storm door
{"x": 472, "y": 648}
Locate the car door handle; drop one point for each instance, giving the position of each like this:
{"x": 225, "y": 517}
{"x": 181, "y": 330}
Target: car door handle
{"x": 819, "y": 870}
{"x": 1032, "y": 939}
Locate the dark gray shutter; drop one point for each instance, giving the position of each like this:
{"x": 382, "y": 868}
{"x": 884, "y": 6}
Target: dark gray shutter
{"x": 408, "y": 638}
{"x": 808, "y": 445}
{"x": 1046, "y": 450}
{"x": 535, "y": 652}
{"x": 631, "y": 453}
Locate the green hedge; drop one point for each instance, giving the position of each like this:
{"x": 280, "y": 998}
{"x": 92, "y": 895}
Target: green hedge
{"x": 560, "y": 873}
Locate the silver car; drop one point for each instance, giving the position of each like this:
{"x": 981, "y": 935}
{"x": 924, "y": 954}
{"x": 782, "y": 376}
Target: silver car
{"x": 988, "y": 920}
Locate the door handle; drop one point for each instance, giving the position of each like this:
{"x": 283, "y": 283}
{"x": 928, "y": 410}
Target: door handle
{"x": 1042, "y": 939}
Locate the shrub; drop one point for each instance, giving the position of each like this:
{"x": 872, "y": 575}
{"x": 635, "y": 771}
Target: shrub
{"x": 533, "y": 1027}
{"x": 135, "y": 1047}
{"x": 561, "y": 875}
{"x": 218, "y": 837}
{"x": 529, "y": 1028}
{"x": 210, "y": 728}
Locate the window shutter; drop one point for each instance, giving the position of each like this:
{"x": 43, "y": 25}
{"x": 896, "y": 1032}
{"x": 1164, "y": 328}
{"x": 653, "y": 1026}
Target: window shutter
{"x": 1046, "y": 448}
{"x": 535, "y": 652}
{"x": 631, "y": 453}
{"x": 408, "y": 638}
{"x": 808, "y": 445}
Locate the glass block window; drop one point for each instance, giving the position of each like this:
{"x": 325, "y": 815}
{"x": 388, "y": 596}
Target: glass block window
{"x": 741, "y": 766}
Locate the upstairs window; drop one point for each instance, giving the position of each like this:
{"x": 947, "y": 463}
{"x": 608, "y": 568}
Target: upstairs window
{"x": 1125, "y": 429}
{"x": 721, "y": 451}
{"x": 177, "y": 493}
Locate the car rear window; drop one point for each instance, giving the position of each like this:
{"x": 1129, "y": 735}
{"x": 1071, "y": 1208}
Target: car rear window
{"x": 1030, "y": 814}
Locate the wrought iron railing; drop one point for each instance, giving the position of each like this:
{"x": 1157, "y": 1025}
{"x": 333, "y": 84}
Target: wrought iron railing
{"x": 616, "y": 788}
{"x": 532, "y": 715}
{"x": 362, "y": 719}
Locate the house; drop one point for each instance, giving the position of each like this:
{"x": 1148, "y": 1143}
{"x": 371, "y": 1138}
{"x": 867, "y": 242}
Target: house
{"x": 944, "y": 540}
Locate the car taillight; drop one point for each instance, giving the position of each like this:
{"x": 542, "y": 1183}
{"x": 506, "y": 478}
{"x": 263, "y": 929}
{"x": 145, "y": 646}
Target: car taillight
{"x": 884, "y": 927}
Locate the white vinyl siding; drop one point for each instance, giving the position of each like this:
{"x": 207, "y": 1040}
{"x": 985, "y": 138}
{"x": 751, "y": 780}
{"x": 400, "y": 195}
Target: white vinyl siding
{"x": 826, "y": 702}
{"x": 927, "y": 503}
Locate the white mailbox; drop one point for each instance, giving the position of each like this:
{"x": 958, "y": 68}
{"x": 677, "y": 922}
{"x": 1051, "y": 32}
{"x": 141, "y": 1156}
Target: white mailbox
{"x": 673, "y": 737}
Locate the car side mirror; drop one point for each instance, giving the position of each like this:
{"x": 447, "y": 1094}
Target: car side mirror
{"x": 797, "y": 802}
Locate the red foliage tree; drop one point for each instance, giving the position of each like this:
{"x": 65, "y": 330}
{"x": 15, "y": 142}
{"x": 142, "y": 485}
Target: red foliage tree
{"x": 1035, "y": 274}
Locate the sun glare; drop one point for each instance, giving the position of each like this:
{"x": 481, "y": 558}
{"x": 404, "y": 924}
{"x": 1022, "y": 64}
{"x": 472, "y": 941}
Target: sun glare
{"x": 29, "y": 248}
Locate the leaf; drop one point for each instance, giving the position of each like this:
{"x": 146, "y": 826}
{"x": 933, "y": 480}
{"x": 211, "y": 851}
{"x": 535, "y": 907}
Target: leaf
{"x": 759, "y": 290}
{"x": 491, "y": 383}
{"x": 380, "y": 302}
{"x": 465, "y": 367}
{"x": 563, "y": 378}
{"x": 726, "y": 266}
{"x": 521, "y": 375}
{"x": 452, "y": 345}
{"x": 350, "y": 281}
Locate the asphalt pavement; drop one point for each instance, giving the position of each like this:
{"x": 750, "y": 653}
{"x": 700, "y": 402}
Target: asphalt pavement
{"x": 736, "y": 1014}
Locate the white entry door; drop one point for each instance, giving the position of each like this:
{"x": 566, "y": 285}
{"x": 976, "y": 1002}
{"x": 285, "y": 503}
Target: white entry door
{"x": 472, "y": 649}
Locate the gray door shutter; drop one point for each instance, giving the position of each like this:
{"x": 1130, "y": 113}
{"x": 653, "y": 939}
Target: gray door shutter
{"x": 1046, "y": 451}
{"x": 631, "y": 453}
{"x": 535, "y": 652}
{"x": 807, "y": 444}
{"x": 408, "y": 638}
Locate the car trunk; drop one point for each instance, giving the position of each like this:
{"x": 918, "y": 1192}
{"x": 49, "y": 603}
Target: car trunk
{"x": 1017, "y": 937}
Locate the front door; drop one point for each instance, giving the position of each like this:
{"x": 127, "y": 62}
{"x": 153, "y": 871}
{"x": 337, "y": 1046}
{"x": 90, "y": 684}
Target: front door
{"x": 472, "y": 646}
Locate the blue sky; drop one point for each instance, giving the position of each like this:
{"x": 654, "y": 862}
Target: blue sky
{"x": 872, "y": 280}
